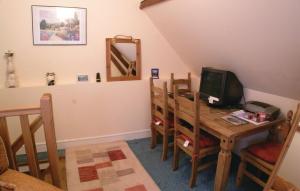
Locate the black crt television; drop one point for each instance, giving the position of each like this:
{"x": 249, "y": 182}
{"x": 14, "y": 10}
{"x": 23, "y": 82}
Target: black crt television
{"x": 220, "y": 87}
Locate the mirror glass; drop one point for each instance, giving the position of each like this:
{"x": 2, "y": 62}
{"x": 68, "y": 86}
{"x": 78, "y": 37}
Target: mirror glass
{"x": 123, "y": 59}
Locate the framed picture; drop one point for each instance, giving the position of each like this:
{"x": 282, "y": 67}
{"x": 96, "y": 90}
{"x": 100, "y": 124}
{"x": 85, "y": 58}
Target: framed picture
{"x": 58, "y": 25}
{"x": 155, "y": 73}
{"x": 82, "y": 78}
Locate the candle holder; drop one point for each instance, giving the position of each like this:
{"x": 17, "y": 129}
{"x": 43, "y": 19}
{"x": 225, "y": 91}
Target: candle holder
{"x": 11, "y": 78}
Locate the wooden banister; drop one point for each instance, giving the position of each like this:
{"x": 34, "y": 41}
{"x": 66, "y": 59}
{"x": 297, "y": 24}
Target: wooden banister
{"x": 29, "y": 147}
{"x": 5, "y": 136}
{"x": 27, "y": 137}
{"x": 18, "y": 112}
{"x": 34, "y": 126}
{"x": 48, "y": 122}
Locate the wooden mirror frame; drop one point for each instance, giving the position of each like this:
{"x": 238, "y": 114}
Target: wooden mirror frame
{"x": 123, "y": 39}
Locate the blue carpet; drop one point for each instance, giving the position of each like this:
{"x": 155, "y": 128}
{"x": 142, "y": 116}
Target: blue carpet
{"x": 169, "y": 180}
{"x": 22, "y": 159}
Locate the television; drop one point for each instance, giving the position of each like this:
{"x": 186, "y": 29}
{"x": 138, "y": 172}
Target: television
{"x": 220, "y": 87}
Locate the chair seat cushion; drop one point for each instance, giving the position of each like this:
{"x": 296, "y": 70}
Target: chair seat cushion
{"x": 267, "y": 151}
{"x": 206, "y": 140}
{"x": 158, "y": 121}
{"x": 24, "y": 182}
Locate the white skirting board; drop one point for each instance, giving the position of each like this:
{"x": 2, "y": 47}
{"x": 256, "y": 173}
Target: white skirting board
{"x": 62, "y": 144}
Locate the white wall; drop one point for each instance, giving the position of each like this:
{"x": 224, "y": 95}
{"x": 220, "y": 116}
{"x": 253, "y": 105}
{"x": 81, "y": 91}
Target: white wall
{"x": 83, "y": 110}
{"x": 105, "y": 18}
{"x": 258, "y": 40}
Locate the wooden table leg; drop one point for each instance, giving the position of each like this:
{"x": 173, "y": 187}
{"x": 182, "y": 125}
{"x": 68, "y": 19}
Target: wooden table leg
{"x": 224, "y": 162}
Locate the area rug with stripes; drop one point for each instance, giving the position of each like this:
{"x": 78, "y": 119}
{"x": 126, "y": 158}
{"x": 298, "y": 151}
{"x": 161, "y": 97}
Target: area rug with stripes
{"x": 106, "y": 167}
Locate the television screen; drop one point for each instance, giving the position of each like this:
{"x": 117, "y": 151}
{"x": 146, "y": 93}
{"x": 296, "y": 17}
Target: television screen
{"x": 212, "y": 83}
{"x": 220, "y": 84}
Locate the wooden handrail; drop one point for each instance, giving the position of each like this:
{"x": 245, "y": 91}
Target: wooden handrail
{"x": 27, "y": 138}
{"x": 34, "y": 126}
{"x": 147, "y": 3}
{"x": 20, "y": 111}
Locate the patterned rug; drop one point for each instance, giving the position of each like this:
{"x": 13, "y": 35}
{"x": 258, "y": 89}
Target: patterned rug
{"x": 106, "y": 167}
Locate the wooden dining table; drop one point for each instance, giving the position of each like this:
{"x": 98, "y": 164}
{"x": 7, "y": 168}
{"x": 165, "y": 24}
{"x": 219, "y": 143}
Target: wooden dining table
{"x": 229, "y": 134}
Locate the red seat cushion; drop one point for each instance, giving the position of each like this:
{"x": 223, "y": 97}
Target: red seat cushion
{"x": 170, "y": 121}
{"x": 267, "y": 151}
{"x": 205, "y": 141}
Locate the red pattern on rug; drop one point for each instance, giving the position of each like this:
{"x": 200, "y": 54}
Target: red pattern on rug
{"x": 139, "y": 187}
{"x": 87, "y": 173}
{"x": 116, "y": 155}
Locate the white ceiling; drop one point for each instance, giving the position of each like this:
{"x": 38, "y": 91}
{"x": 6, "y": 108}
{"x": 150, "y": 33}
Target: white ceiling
{"x": 259, "y": 40}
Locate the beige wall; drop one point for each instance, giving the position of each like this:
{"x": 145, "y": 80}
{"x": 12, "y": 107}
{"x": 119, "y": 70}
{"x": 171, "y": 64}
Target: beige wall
{"x": 91, "y": 110}
{"x": 84, "y": 110}
{"x": 105, "y": 18}
{"x": 258, "y": 40}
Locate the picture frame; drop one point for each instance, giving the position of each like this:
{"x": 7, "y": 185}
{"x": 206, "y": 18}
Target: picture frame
{"x": 155, "y": 73}
{"x": 82, "y": 77}
{"x": 56, "y": 25}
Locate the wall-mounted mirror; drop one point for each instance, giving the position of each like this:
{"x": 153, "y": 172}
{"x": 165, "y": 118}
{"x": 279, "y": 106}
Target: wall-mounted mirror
{"x": 123, "y": 58}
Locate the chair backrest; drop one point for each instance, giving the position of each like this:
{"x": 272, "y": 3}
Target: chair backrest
{"x": 280, "y": 133}
{"x": 3, "y": 157}
{"x": 187, "y": 118}
{"x": 181, "y": 82}
{"x": 287, "y": 143}
{"x": 159, "y": 102}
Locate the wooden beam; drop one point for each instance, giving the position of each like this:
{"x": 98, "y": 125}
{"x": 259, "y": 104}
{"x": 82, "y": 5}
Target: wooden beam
{"x": 147, "y": 3}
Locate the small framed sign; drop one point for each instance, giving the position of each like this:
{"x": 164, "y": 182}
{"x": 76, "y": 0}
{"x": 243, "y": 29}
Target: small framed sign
{"x": 82, "y": 78}
{"x": 155, "y": 73}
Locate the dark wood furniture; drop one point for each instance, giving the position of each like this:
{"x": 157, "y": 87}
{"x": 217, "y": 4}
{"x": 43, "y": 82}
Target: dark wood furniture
{"x": 162, "y": 121}
{"x": 188, "y": 138}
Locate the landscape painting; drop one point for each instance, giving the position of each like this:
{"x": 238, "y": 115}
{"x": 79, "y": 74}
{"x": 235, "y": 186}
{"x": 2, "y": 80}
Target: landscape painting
{"x": 58, "y": 25}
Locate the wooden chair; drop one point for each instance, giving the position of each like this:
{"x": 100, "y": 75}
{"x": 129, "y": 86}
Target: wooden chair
{"x": 281, "y": 184}
{"x": 265, "y": 155}
{"x": 162, "y": 120}
{"x": 187, "y": 136}
{"x": 181, "y": 82}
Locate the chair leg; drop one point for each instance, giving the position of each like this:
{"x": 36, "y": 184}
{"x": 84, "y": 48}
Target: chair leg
{"x": 153, "y": 138}
{"x": 165, "y": 146}
{"x": 176, "y": 156}
{"x": 241, "y": 170}
{"x": 194, "y": 174}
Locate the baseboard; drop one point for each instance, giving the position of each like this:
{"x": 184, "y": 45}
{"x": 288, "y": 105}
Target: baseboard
{"x": 63, "y": 144}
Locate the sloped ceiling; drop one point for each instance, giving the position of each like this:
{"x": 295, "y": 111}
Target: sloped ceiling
{"x": 259, "y": 40}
